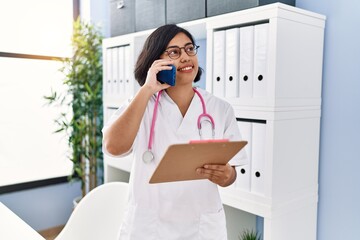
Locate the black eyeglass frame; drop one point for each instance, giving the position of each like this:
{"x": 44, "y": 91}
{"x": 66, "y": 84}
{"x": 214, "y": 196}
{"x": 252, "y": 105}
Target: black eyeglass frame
{"x": 196, "y": 47}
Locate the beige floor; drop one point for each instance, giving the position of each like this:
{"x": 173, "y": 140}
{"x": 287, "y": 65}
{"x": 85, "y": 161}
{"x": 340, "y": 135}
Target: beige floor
{"x": 50, "y": 234}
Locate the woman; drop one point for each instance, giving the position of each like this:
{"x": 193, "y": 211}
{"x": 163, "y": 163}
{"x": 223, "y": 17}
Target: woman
{"x": 176, "y": 210}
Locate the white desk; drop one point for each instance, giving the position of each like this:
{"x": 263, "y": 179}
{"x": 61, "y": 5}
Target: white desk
{"x": 14, "y": 228}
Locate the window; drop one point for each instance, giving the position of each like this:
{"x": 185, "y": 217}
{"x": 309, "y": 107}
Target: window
{"x": 33, "y": 32}
{"x": 39, "y": 27}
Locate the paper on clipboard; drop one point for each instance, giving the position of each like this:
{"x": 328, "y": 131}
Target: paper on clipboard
{"x": 180, "y": 161}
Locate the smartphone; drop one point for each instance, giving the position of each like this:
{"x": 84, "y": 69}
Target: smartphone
{"x": 167, "y": 76}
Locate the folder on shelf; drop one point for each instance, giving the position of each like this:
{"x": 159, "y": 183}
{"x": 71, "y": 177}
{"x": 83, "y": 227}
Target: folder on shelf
{"x": 258, "y": 158}
{"x": 115, "y": 72}
{"x": 121, "y": 62}
{"x": 232, "y": 62}
{"x": 219, "y": 64}
{"x": 180, "y": 161}
{"x": 243, "y": 172}
{"x": 261, "y": 42}
{"x": 246, "y": 61}
{"x": 108, "y": 73}
{"x": 127, "y": 70}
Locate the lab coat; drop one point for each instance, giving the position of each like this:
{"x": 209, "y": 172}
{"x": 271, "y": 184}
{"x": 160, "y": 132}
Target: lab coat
{"x": 190, "y": 210}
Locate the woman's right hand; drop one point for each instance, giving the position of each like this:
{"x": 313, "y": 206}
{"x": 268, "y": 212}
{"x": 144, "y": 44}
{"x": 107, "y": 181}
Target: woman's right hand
{"x": 151, "y": 81}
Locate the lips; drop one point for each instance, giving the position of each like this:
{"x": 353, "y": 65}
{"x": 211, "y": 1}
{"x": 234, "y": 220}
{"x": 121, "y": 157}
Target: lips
{"x": 186, "y": 68}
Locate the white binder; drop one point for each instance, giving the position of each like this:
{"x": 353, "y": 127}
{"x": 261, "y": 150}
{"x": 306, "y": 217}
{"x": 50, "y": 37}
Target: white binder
{"x": 246, "y": 61}
{"x": 115, "y": 72}
{"x": 219, "y": 64}
{"x": 232, "y": 62}
{"x": 261, "y": 35}
{"x": 127, "y": 72}
{"x": 108, "y": 73}
{"x": 121, "y": 69}
{"x": 258, "y": 158}
{"x": 243, "y": 172}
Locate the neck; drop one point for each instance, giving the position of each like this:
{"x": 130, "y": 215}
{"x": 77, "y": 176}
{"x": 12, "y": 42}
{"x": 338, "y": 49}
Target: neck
{"x": 182, "y": 96}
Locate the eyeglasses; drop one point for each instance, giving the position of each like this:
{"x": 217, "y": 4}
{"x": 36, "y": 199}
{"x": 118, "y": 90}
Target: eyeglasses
{"x": 175, "y": 52}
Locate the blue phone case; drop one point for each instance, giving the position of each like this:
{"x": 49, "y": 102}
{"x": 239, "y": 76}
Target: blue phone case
{"x": 167, "y": 76}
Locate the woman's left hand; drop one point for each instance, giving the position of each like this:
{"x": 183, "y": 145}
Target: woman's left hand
{"x": 223, "y": 175}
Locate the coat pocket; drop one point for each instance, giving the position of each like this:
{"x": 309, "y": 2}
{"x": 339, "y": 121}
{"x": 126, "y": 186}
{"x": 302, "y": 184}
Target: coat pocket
{"x": 212, "y": 226}
{"x": 139, "y": 223}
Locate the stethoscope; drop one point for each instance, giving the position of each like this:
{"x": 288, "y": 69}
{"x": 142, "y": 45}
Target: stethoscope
{"x": 148, "y": 155}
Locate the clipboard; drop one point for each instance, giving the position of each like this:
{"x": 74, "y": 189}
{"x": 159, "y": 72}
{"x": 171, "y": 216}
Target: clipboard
{"x": 180, "y": 161}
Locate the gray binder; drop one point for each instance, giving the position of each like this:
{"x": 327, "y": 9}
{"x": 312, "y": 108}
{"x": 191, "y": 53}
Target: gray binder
{"x": 186, "y": 10}
{"x": 216, "y": 7}
{"x": 149, "y": 14}
{"x": 122, "y": 17}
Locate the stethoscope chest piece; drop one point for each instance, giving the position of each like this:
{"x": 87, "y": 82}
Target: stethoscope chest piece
{"x": 148, "y": 156}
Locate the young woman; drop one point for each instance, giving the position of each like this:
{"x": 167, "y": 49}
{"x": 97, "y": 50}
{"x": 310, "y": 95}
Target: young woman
{"x": 176, "y": 210}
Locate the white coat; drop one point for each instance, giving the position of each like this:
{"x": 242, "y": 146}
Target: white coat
{"x": 190, "y": 210}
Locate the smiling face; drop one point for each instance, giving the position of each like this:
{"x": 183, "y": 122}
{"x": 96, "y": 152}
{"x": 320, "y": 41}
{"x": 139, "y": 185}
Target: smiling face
{"x": 187, "y": 66}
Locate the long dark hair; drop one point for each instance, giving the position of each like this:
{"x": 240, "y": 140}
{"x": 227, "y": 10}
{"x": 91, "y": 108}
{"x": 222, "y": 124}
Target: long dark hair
{"x": 154, "y": 46}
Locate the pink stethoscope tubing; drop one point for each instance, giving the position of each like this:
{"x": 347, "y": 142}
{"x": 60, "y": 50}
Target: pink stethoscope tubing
{"x": 148, "y": 156}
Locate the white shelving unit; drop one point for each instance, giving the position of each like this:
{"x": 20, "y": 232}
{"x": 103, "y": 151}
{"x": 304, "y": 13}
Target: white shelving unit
{"x": 289, "y": 110}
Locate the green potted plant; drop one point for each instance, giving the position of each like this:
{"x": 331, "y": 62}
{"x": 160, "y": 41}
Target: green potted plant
{"x": 82, "y": 120}
{"x": 250, "y": 235}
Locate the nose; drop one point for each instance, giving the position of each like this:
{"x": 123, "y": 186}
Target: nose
{"x": 184, "y": 57}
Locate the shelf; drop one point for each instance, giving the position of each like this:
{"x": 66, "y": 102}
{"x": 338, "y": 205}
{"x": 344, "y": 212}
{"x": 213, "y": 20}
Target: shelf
{"x": 123, "y": 163}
